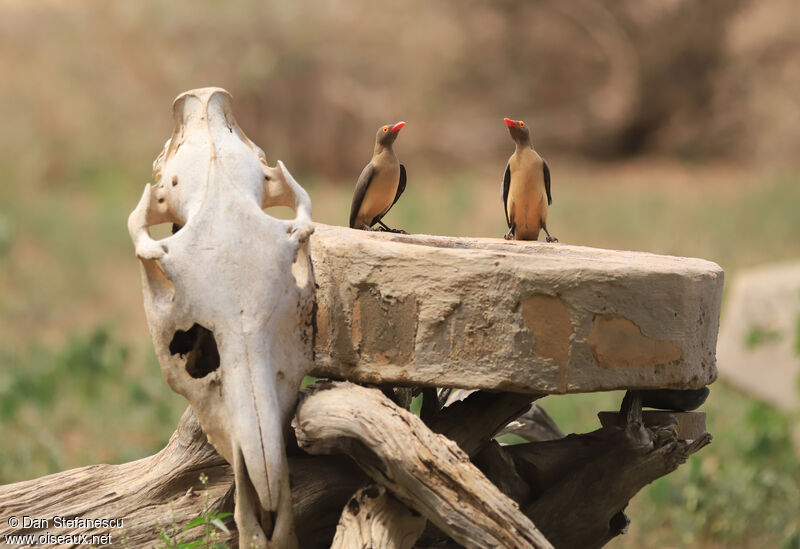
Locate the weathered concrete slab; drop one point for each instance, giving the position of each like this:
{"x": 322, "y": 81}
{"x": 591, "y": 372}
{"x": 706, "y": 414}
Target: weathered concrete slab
{"x": 518, "y": 316}
{"x": 759, "y": 344}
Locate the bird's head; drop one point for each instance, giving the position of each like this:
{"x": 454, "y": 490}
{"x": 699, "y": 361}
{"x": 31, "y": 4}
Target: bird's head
{"x": 387, "y": 134}
{"x": 519, "y": 131}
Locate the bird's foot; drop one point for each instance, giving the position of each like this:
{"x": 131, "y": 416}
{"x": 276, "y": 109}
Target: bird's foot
{"x": 551, "y": 239}
{"x": 509, "y": 235}
{"x": 384, "y": 227}
{"x": 390, "y": 230}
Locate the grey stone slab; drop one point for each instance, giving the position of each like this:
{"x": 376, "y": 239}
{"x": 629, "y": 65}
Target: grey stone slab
{"x": 519, "y": 316}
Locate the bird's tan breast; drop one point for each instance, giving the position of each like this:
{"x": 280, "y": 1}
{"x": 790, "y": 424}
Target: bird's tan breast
{"x": 527, "y": 197}
{"x": 382, "y": 189}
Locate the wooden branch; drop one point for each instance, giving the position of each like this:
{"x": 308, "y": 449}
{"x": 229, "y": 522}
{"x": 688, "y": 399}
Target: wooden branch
{"x": 582, "y": 509}
{"x": 373, "y": 518}
{"x": 424, "y": 470}
{"x": 321, "y": 487}
{"x": 575, "y": 489}
{"x": 430, "y": 405}
{"x": 499, "y": 467}
{"x": 535, "y": 425}
{"x": 473, "y": 421}
{"x": 165, "y": 487}
{"x": 402, "y": 396}
{"x": 580, "y": 485}
{"x": 412, "y": 310}
{"x": 688, "y": 425}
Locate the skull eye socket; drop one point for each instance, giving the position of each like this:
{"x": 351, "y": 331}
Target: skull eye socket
{"x": 200, "y": 349}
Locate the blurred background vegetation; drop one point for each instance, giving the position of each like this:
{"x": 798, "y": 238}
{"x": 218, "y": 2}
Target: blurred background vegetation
{"x": 669, "y": 126}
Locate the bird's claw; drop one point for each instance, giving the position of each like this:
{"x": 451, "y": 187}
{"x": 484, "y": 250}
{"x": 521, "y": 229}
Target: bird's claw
{"x": 389, "y": 230}
{"x": 551, "y": 239}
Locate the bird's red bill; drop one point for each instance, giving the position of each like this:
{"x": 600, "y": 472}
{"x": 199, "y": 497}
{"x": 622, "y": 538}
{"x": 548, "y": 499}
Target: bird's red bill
{"x": 510, "y": 123}
{"x": 397, "y": 127}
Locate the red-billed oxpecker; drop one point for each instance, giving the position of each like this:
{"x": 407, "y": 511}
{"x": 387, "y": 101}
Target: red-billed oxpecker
{"x": 526, "y": 187}
{"x": 380, "y": 184}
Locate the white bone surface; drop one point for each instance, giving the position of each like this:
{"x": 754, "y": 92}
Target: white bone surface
{"x": 245, "y": 277}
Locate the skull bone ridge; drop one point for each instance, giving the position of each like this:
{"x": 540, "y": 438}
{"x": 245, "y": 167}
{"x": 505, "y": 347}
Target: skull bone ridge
{"x": 229, "y": 298}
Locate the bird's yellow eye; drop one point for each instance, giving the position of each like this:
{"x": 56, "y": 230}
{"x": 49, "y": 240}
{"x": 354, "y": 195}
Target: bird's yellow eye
{"x": 385, "y": 129}
{"x": 521, "y": 124}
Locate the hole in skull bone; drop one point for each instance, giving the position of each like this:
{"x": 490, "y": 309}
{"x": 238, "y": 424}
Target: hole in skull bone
{"x": 280, "y": 212}
{"x": 157, "y": 232}
{"x": 163, "y": 230}
{"x": 200, "y": 349}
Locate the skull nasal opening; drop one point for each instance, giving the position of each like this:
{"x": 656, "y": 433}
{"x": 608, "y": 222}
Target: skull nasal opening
{"x": 200, "y": 349}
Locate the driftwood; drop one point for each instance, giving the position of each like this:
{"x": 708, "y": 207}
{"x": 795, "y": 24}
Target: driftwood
{"x": 424, "y": 470}
{"x": 321, "y": 487}
{"x": 473, "y": 421}
{"x": 535, "y": 425}
{"x": 165, "y": 489}
{"x": 580, "y": 485}
{"x": 573, "y": 489}
{"x": 373, "y": 518}
{"x": 162, "y": 488}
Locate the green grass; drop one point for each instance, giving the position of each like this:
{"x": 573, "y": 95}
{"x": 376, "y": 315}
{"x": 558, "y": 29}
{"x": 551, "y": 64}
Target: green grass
{"x": 82, "y": 403}
{"x": 203, "y": 532}
{"x": 758, "y": 336}
{"x": 797, "y": 337}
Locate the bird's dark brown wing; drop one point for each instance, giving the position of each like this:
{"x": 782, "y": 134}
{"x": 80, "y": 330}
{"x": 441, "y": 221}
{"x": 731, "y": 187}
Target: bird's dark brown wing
{"x": 361, "y": 189}
{"x": 506, "y": 185}
{"x": 547, "y": 182}
{"x": 401, "y": 186}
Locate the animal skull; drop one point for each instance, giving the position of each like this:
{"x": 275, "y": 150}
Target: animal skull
{"x": 229, "y": 299}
